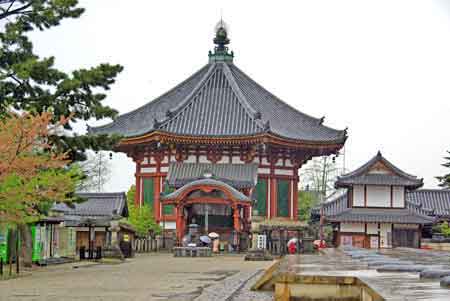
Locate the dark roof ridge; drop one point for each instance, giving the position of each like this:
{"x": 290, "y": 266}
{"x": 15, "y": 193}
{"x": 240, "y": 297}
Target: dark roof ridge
{"x": 378, "y": 157}
{"x": 240, "y": 96}
{"x": 314, "y": 120}
{"x": 442, "y": 190}
{"x": 151, "y": 102}
{"x": 178, "y": 108}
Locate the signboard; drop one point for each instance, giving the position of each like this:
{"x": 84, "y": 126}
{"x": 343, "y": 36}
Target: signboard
{"x": 126, "y": 237}
{"x": 261, "y": 241}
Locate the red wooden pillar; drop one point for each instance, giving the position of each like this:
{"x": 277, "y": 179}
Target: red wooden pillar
{"x": 236, "y": 218}
{"x": 157, "y": 205}
{"x": 273, "y": 197}
{"x": 137, "y": 195}
{"x": 295, "y": 198}
{"x": 180, "y": 224}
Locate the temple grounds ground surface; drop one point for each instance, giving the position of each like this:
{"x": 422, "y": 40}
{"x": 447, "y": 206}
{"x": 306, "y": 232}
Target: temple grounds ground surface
{"x": 145, "y": 277}
{"x": 163, "y": 277}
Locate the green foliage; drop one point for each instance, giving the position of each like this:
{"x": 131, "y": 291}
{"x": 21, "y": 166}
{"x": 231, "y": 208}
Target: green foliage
{"x": 26, "y": 200}
{"x": 306, "y": 201}
{"x": 31, "y": 83}
{"x": 445, "y": 229}
{"x": 141, "y": 218}
{"x": 444, "y": 181}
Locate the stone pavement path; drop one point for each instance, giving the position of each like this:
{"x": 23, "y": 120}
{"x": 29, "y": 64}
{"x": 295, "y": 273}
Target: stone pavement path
{"x": 146, "y": 277}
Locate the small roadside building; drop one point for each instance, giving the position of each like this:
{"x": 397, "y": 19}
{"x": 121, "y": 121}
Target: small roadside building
{"x": 92, "y": 219}
{"x": 373, "y": 210}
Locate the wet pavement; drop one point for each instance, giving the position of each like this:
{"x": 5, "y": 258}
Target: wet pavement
{"x": 146, "y": 277}
{"x": 391, "y": 285}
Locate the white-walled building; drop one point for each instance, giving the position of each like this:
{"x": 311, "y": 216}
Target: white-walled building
{"x": 372, "y": 212}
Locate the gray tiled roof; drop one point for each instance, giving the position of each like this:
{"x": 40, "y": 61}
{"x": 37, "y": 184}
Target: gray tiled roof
{"x": 236, "y": 194}
{"x": 435, "y": 201}
{"x": 380, "y": 215}
{"x": 361, "y": 176}
{"x": 96, "y": 205}
{"x": 336, "y": 210}
{"x": 221, "y": 101}
{"x": 236, "y": 175}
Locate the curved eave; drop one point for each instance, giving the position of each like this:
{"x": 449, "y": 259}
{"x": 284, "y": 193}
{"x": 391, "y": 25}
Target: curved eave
{"x": 266, "y": 137}
{"x": 341, "y": 184}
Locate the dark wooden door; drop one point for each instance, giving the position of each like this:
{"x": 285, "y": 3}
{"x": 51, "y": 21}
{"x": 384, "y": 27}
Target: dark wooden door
{"x": 407, "y": 238}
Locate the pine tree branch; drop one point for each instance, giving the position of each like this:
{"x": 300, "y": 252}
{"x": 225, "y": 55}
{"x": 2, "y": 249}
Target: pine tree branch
{"x": 19, "y": 10}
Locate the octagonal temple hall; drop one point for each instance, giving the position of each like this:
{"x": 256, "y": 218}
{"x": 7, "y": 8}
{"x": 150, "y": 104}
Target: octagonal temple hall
{"x": 219, "y": 150}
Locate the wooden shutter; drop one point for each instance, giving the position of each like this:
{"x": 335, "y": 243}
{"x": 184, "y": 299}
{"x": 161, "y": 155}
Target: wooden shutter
{"x": 261, "y": 196}
{"x": 148, "y": 190}
{"x": 283, "y": 198}
{"x": 168, "y": 209}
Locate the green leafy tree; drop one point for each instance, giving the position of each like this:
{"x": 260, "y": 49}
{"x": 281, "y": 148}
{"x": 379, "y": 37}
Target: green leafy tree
{"x": 141, "y": 218}
{"x": 33, "y": 84}
{"x": 306, "y": 201}
{"x": 444, "y": 181}
{"x": 33, "y": 174}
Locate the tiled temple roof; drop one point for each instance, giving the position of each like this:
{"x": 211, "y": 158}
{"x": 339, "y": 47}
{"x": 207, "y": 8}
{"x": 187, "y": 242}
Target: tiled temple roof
{"x": 236, "y": 175}
{"x": 380, "y": 215}
{"x": 207, "y": 182}
{"x": 434, "y": 201}
{"x": 220, "y": 100}
{"x": 96, "y": 205}
{"x": 362, "y": 175}
{"x": 336, "y": 210}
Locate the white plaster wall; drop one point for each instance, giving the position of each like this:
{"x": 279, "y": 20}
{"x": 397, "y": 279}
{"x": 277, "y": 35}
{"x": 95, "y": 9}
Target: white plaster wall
{"x": 264, "y": 161}
{"x": 164, "y": 168}
{"x": 372, "y": 228}
{"x": 202, "y": 159}
{"x": 148, "y": 169}
{"x": 172, "y": 158}
{"x": 385, "y": 235}
{"x": 352, "y": 227}
{"x": 145, "y": 161}
{"x": 152, "y": 160}
{"x": 224, "y": 160}
{"x": 165, "y": 159}
{"x": 263, "y": 170}
{"x": 284, "y": 172}
{"x": 191, "y": 159}
{"x": 288, "y": 163}
{"x": 168, "y": 225}
{"x": 399, "y": 196}
{"x": 358, "y": 195}
{"x": 236, "y": 160}
{"x": 279, "y": 162}
{"x": 378, "y": 196}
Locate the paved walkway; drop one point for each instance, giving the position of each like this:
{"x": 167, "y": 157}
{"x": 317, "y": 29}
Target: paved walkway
{"x": 146, "y": 277}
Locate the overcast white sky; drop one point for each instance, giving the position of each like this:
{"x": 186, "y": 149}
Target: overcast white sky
{"x": 382, "y": 68}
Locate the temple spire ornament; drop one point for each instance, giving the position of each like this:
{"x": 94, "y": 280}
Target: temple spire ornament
{"x": 221, "y": 41}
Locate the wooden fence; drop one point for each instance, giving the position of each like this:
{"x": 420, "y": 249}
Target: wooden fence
{"x": 147, "y": 245}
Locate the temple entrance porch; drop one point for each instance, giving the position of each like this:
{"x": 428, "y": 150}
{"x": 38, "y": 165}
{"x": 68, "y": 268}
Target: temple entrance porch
{"x": 212, "y": 206}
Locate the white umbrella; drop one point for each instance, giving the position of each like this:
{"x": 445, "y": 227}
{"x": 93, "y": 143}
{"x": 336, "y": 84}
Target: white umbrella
{"x": 205, "y": 239}
{"x": 213, "y": 235}
{"x": 292, "y": 241}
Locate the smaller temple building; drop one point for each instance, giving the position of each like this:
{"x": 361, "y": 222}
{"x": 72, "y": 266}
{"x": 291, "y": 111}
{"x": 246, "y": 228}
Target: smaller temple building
{"x": 93, "y": 219}
{"x": 373, "y": 211}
